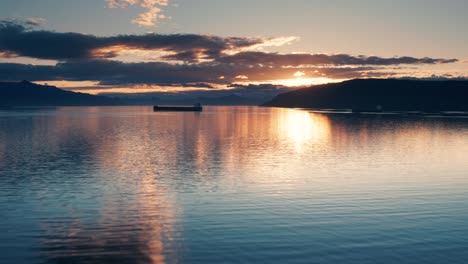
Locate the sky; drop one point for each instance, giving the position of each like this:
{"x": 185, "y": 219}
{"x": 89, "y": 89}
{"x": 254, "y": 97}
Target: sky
{"x": 134, "y": 46}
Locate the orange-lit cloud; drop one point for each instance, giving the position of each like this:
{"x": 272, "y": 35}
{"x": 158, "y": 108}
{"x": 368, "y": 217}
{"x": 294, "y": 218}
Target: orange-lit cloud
{"x": 299, "y": 74}
{"x": 35, "y": 21}
{"x": 69, "y": 84}
{"x": 8, "y": 54}
{"x": 242, "y": 77}
{"x": 150, "y": 17}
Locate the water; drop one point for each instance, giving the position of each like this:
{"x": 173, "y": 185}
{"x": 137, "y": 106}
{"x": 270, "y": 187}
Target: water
{"x": 231, "y": 185}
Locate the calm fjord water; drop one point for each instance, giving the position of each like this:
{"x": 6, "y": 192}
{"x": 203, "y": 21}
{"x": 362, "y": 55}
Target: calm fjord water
{"x": 231, "y": 185}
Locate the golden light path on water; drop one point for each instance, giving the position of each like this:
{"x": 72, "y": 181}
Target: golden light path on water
{"x": 127, "y": 185}
{"x": 134, "y": 208}
{"x": 302, "y": 128}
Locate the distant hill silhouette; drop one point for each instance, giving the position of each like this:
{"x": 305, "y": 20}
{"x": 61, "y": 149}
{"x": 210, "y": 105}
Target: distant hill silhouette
{"x": 29, "y": 94}
{"x": 230, "y": 99}
{"x": 379, "y": 94}
{"x": 215, "y": 97}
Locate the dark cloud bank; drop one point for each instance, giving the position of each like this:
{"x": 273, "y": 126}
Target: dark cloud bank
{"x": 187, "y": 58}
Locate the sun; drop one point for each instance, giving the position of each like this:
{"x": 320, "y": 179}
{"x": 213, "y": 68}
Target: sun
{"x": 298, "y": 81}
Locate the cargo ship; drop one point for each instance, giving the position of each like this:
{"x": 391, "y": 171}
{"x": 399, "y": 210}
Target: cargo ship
{"x": 193, "y": 108}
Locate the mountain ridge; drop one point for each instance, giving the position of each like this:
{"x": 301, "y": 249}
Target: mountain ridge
{"x": 379, "y": 95}
{"x": 25, "y": 93}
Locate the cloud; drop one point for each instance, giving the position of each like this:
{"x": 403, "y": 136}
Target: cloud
{"x": 115, "y": 75}
{"x": 299, "y": 74}
{"x": 443, "y": 77}
{"x": 178, "y": 59}
{"x": 150, "y": 17}
{"x": 7, "y": 54}
{"x": 276, "y": 42}
{"x": 20, "y": 39}
{"x": 108, "y": 72}
{"x": 114, "y": 72}
{"x": 23, "y": 40}
{"x": 17, "y": 39}
{"x": 35, "y": 21}
{"x": 275, "y": 59}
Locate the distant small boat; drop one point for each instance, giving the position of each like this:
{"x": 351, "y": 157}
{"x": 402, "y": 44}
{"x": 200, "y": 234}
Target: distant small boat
{"x": 454, "y": 113}
{"x": 194, "y": 108}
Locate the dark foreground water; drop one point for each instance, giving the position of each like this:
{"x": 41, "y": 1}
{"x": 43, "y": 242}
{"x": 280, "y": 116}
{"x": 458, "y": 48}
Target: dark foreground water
{"x": 231, "y": 185}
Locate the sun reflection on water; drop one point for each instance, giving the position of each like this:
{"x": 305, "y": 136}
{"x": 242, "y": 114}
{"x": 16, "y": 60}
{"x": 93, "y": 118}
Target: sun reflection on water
{"x": 127, "y": 185}
{"x": 302, "y": 128}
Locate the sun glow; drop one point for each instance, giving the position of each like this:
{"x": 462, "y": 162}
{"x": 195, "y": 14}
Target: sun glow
{"x": 301, "y": 128}
{"x": 304, "y": 81}
{"x": 299, "y": 74}
{"x": 297, "y": 82}
{"x": 301, "y": 79}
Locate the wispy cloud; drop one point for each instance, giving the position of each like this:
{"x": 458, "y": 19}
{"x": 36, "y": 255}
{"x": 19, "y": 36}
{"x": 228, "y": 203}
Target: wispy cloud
{"x": 150, "y": 17}
{"x": 35, "y": 21}
{"x": 275, "y": 42}
{"x": 276, "y": 59}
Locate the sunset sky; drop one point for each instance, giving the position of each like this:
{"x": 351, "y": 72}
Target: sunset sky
{"x": 173, "y": 45}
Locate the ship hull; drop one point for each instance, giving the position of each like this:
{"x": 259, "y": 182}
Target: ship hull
{"x": 178, "y": 108}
